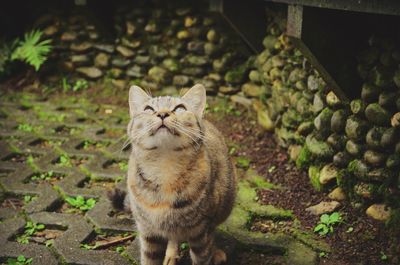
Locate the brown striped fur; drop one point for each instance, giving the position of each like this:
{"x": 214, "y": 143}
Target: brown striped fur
{"x": 181, "y": 183}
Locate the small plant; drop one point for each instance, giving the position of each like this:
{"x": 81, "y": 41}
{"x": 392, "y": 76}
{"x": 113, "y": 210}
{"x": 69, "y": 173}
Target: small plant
{"x": 49, "y": 243}
{"x": 243, "y": 162}
{"x": 43, "y": 176}
{"x": 184, "y": 246}
{"x": 64, "y": 161}
{"x": 119, "y": 179}
{"x": 75, "y": 87}
{"x": 123, "y": 166}
{"x": 30, "y": 229}
{"x": 29, "y": 198}
{"x": 25, "y": 127}
{"x": 384, "y": 257}
{"x": 87, "y": 246}
{"x": 31, "y": 50}
{"x": 323, "y": 254}
{"x": 30, "y": 161}
{"x": 20, "y": 260}
{"x": 80, "y": 84}
{"x": 326, "y": 223}
{"x": 80, "y": 203}
{"x": 47, "y": 116}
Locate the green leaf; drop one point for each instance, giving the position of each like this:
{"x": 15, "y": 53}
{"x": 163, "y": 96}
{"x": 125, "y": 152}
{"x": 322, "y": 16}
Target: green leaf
{"x": 243, "y": 162}
{"x": 334, "y": 217}
{"x": 40, "y": 227}
{"x": 324, "y": 218}
{"x": 21, "y": 258}
{"x": 31, "y": 50}
{"x": 319, "y": 227}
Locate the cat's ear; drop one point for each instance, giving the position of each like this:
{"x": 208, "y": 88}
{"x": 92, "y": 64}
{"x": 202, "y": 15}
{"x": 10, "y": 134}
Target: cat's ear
{"x": 196, "y": 99}
{"x": 137, "y": 98}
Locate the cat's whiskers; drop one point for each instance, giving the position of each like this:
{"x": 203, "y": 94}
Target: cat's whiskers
{"x": 195, "y": 136}
{"x": 196, "y": 133}
{"x": 143, "y": 131}
{"x": 182, "y": 130}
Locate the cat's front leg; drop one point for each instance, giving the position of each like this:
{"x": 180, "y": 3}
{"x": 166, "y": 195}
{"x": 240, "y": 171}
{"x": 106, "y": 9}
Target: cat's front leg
{"x": 171, "y": 255}
{"x": 203, "y": 251}
{"x": 152, "y": 249}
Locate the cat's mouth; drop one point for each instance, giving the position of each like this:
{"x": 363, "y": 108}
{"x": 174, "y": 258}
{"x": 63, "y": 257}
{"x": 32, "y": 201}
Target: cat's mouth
{"x": 163, "y": 127}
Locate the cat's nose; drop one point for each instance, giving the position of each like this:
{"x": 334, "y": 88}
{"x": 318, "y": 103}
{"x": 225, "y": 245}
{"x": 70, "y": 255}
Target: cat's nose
{"x": 163, "y": 115}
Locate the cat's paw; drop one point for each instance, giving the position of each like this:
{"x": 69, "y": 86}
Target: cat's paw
{"x": 170, "y": 260}
{"x": 171, "y": 254}
{"x": 219, "y": 257}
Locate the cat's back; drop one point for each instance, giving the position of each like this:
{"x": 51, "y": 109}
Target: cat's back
{"x": 223, "y": 176}
{"x": 214, "y": 140}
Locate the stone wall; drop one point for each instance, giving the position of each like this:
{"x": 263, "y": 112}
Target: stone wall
{"x": 349, "y": 148}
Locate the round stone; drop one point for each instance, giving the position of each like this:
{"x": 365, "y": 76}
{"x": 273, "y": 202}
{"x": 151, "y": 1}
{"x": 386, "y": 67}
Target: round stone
{"x": 124, "y": 51}
{"x": 81, "y": 47}
{"x": 90, "y": 72}
{"x": 102, "y": 60}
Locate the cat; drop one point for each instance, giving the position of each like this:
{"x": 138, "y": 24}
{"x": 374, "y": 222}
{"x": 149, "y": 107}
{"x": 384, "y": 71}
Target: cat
{"x": 181, "y": 183}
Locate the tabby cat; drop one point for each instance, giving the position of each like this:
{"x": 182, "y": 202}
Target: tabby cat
{"x": 181, "y": 183}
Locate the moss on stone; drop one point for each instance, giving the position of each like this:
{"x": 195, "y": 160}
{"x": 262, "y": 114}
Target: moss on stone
{"x": 313, "y": 174}
{"x": 304, "y": 158}
{"x": 318, "y": 149}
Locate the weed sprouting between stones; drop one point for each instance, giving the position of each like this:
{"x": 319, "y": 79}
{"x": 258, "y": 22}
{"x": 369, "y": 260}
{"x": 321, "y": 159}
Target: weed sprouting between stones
{"x": 80, "y": 203}
{"x": 30, "y": 229}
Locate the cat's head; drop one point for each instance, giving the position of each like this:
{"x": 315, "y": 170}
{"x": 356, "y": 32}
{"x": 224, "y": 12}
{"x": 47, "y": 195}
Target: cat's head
{"x": 166, "y": 122}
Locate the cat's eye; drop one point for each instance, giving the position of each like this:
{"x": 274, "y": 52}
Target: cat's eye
{"x": 148, "y": 109}
{"x": 179, "y": 108}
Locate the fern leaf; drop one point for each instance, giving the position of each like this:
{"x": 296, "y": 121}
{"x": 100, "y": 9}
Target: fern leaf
{"x": 31, "y": 50}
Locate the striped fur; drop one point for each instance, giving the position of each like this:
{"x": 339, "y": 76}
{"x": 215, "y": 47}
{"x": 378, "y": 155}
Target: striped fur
{"x": 181, "y": 183}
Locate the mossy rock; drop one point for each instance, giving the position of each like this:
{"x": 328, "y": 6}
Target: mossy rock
{"x": 237, "y": 75}
{"x": 380, "y": 174}
{"x": 393, "y": 161}
{"x": 389, "y": 137}
{"x": 332, "y": 100}
{"x": 370, "y": 92}
{"x": 305, "y": 128}
{"x": 358, "y": 168}
{"x": 377, "y": 115}
{"x": 387, "y": 99}
{"x": 374, "y": 137}
{"x": 354, "y": 148}
{"x": 323, "y": 120}
{"x": 382, "y": 76}
{"x": 314, "y": 175}
{"x": 338, "y": 120}
{"x": 304, "y": 159}
{"x": 374, "y": 158}
{"x": 291, "y": 119}
{"x": 356, "y": 128}
{"x": 341, "y": 159}
{"x": 318, "y": 149}
{"x": 337, "y": 141}
{"x": 357, "y": 107}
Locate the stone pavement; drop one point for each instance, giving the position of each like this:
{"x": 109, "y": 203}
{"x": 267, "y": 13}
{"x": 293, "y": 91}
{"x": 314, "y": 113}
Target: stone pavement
{"x": 54, "y": 151}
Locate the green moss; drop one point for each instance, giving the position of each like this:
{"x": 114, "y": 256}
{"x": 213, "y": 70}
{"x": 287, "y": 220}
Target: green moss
{"x": 258, "y": 181}
{"x": 313, "y": 174}
{"x": 311, "y": 240}
{"x": 246, "y": 200}
{"x": 304, "y": 158}
{"x": 319, "y": 149}
{"x": 261, "y": 183}
{"x": 394, "y": 220}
